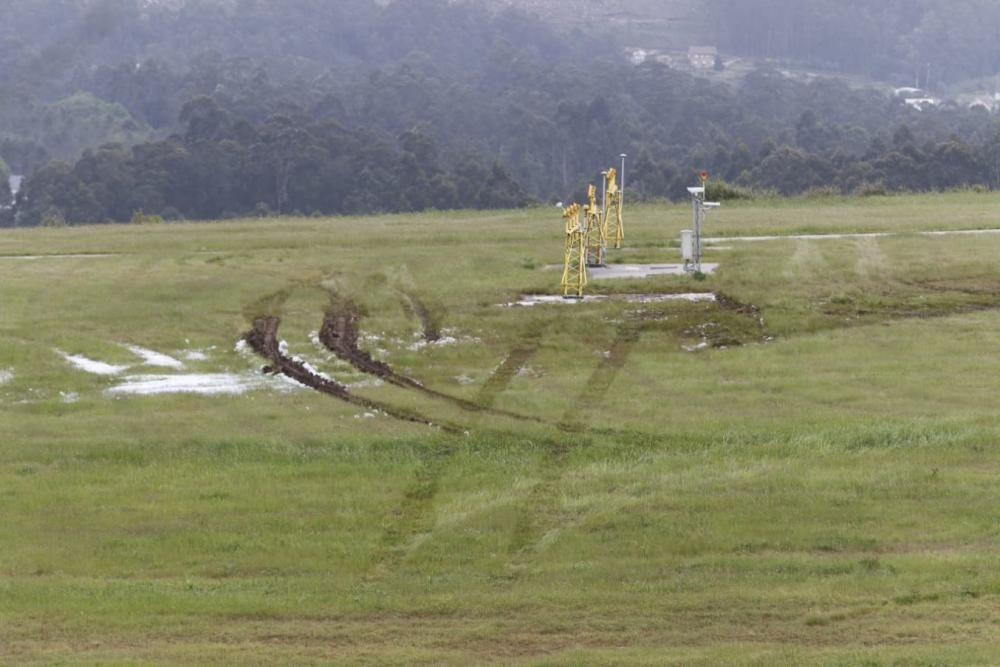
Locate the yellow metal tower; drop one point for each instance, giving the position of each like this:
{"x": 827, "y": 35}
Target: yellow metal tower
{"x": 596, "y": 231}
{"x": 575, "y": 268}
{"x": 614, "y": 230}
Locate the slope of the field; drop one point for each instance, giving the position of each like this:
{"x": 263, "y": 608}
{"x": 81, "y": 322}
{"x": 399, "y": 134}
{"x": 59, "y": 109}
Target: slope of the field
{"x": 802, "y": 471}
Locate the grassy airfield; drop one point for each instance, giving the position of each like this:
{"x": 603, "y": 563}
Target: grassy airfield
{"x": 803, "y": 472}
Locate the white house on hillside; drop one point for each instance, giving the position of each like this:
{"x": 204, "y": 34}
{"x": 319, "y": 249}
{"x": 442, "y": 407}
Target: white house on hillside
{"x": 703, "y": 57}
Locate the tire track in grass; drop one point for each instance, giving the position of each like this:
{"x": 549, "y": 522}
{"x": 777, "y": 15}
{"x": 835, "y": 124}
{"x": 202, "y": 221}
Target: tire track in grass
{"x": 263, "y": 339}
{"x": 604, "y": 375}
{"x": 339, "y": 334}
{"x": 540, "y": 515}
{"x": 508, "y": 369}
{"x": 413, "y": 520}
{"x": 415, "y": 308}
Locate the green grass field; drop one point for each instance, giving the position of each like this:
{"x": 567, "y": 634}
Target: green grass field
{"x": 802, "y": 473}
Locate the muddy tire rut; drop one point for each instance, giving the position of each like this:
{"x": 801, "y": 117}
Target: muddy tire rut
{"x": 263, "y": 339}
{"x": 340, "y": 334}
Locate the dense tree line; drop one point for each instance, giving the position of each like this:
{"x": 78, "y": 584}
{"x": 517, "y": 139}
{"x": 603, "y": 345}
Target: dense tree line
{"x": 294, "y": 109}
{"x": 221, "y": 167}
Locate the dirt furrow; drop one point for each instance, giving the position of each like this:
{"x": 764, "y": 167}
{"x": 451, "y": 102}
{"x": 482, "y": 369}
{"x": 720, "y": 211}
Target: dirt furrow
{"x": 263, "y": 339}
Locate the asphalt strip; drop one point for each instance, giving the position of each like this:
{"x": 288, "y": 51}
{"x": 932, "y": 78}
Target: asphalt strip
{"x": 859, "y": 235}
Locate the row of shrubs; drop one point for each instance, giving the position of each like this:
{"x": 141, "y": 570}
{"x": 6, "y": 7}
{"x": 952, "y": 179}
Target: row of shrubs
{"x": 717, "y": 191}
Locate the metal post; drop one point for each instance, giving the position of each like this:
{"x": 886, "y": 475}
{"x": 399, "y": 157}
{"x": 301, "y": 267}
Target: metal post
{"x": 623, "y": 156}
{"x": 699, "y": 212}
{"x": 604, "y": 193}
{"x": 604, "y": 218}
{"x": 698, "y": 208}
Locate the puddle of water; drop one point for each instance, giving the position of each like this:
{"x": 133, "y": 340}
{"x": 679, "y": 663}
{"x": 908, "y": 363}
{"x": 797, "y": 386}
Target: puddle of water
{"x": 204, "y": 384}
{"x": 694, "y": 297}
{"x": 535, "y": 300}
{"x": 153, "y": 358}
{"x": 540, "y": 299}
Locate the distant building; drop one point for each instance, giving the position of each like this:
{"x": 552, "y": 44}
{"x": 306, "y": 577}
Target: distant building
{"x": 703, "y": 57}
{"x": 639, "y": 56}
{"x": 921, "y": 103}
{"x": 982, "y": 103}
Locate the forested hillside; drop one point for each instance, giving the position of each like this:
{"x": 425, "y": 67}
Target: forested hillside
{"x": 937, "y": 41}
{"x": 215, "y": 108}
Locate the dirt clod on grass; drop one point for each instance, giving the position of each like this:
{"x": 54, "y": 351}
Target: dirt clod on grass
{"x": 735, "y": 305}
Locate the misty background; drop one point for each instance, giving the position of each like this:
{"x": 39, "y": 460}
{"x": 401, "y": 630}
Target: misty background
{"x": 206, "y": 109}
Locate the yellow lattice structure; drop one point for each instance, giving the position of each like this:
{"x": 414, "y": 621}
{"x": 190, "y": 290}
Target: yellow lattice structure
{"x": 575, "y": 268}
{"x": 596, "y": 233}
{"x": 614, "y": 229}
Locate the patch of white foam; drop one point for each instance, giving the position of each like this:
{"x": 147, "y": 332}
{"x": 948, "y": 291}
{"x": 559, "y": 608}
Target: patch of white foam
{"x": 153, "y": 358}
{"x": 283, "y": 348}
{"x": 6, "y": 375}
{"x": 312, "y": 369}
{"x": 370, "y": 383}
{"x": 205, "y": 384}
{"x": 82, "y": 363}
{"x": 444, "y": 341}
